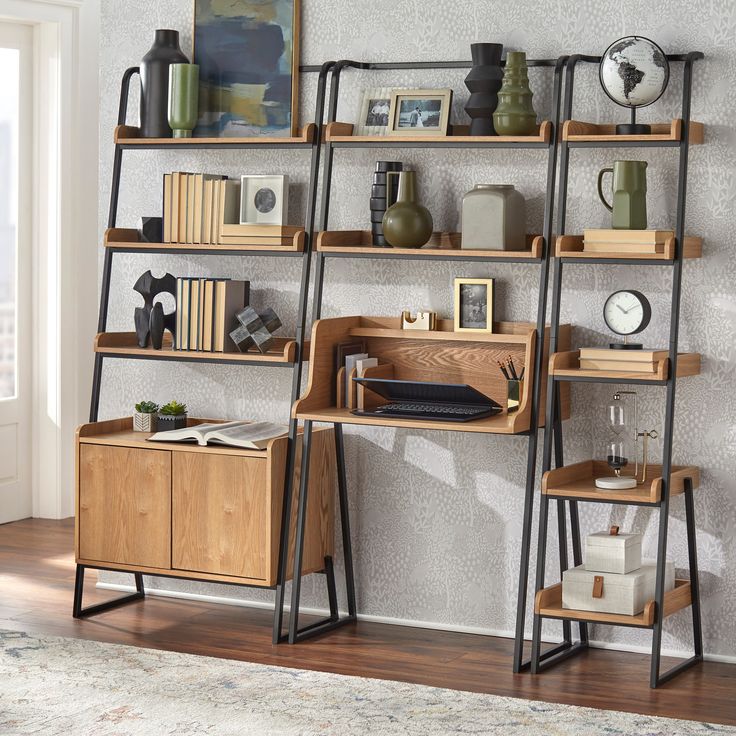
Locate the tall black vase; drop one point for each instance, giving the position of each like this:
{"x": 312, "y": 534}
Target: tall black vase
{"x": 483, "y": 82}
{"x": 155, "y": 64}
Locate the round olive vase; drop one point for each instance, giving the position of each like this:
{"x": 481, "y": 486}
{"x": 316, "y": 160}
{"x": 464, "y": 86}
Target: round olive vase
{"x": 493, "y": 218}
{"x": 514, "y": 113}
{"x": 407, "y": 224}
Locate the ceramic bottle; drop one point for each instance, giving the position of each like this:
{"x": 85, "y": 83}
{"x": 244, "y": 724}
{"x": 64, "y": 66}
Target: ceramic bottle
{"x": 493, "y": 218}
{"x": 514, "y": 114}
{"x": 483, "y": 82}
{"x": 406, "y": 224}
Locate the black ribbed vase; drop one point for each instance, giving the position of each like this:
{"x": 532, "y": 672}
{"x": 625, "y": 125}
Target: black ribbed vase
{"x": 155, "y": 64}
{"x": 483, "y": 82}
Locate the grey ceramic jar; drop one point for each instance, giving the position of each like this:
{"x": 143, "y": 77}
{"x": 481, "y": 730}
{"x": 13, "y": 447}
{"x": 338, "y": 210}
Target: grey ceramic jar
{"x": 493, "y": 218}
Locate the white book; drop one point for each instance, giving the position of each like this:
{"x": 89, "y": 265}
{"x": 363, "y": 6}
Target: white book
{"x": 362, "y": 364}
{"x": 350, "y": 361}
{"x": 249, "y": 435}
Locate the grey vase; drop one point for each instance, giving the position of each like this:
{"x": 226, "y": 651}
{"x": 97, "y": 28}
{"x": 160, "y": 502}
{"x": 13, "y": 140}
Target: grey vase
{"x": 154, "y": 108}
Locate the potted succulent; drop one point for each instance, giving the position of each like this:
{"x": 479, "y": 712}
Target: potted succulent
{"x": 172, "y": 416}
{"x": 144, "y": 419}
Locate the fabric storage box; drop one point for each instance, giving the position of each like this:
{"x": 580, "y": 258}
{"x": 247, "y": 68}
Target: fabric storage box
{"x": 584, "y": 590}
{"x": 612, "y": 552}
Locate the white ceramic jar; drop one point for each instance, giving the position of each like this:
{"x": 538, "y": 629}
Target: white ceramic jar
{"x": 493, "y": 218}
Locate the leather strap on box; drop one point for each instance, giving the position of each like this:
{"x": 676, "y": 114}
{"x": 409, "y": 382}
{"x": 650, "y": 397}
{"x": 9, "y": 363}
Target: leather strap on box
{"x": 598, "y": 586}
{"x": 613, "y": 531}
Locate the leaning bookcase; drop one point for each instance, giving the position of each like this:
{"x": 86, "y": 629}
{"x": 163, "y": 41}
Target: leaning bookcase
{"x": 573, "y": 484}
{"x": 288, "y": 353}
{"x": 467, "y": 359}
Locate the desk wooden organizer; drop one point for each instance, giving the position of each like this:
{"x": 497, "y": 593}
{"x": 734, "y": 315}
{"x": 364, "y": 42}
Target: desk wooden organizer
{"x": 440, "y": 355}
{"x": 204, "y": 513}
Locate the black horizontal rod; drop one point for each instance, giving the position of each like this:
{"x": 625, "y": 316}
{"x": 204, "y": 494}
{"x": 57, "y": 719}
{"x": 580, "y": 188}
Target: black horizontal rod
{"x": 394, "y": 65}
{"x": 688, "y": 56}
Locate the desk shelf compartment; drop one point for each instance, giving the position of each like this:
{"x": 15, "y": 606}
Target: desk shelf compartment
{"x": 440, "y": 355}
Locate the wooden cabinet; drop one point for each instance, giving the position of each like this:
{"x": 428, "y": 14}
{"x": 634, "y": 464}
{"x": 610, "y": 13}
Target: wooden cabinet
{"x": 209, "y": 513}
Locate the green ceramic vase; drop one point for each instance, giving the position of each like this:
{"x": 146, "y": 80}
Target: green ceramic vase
{"x": 407, "y": 224}
{"x": 515, "y": 114}
{"x": 183, "y": 99}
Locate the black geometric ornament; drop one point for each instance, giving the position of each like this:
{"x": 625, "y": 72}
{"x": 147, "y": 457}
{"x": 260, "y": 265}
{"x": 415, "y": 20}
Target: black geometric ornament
{"x": 150, "y": 320}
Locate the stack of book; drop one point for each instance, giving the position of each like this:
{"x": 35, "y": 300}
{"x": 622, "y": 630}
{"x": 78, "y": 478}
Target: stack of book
{"x": 204, "y": 209}
{"x": 629, "y": 361}
{"x": 205, "y": 314}
{"x": 646, "y": 242}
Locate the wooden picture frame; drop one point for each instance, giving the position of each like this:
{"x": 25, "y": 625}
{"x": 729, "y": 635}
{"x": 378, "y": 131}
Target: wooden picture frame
{"x": 406, "y": 121}
{"x": 480, "y": 299}
{"x": 226, "y": 110}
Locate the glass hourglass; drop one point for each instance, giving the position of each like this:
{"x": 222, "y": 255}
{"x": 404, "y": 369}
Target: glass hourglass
{"x": 617, "y": 449}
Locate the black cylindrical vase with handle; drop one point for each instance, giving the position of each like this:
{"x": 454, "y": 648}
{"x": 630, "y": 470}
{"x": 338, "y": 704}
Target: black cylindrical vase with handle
{"x": 483, "y": 82}
{"x": 154, "y": 111}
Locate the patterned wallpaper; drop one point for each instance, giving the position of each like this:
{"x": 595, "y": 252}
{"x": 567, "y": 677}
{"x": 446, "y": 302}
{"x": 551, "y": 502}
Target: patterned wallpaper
{"x": 437, "y": 516}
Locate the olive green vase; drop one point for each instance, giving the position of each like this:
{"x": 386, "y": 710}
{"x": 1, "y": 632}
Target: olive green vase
{"x": 183, "y": 99}
{"x": 407, "y": 224}
{"x": 514, "y": 114}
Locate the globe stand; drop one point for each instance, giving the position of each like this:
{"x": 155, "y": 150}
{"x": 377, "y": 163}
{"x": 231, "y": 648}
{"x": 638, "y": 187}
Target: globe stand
{"x": 633, "y": 128}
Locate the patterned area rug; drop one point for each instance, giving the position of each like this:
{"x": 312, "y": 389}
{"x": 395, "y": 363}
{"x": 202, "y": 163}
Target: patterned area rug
{"x": 60, "y": 686}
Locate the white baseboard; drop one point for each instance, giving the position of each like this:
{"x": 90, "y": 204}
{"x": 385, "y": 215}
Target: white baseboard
{"x": 458, "y": 628}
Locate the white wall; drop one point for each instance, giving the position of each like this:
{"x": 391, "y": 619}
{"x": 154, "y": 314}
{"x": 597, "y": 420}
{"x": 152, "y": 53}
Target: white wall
{"x": 437, "y": 516}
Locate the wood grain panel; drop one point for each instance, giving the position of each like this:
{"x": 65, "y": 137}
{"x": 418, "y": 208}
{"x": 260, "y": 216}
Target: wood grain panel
{"x": 125, "y": 505}
{"x": 220, "y": 514}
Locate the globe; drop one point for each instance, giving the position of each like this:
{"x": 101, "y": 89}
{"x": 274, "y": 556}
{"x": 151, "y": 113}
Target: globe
{"x": 634, "y": 71}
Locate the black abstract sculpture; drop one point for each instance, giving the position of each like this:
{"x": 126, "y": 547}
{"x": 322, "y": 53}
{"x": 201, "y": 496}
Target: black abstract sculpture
{"x": 255, "y": 328}
{"x": 151, "y": 230}
{"x": 484, "y": 82}
{"x": 150, "y": 320}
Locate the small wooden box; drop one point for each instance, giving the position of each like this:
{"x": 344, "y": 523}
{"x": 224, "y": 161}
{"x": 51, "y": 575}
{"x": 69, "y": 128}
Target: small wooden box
{"x": 625, "y": 594}
{"x": 617, "y": 553}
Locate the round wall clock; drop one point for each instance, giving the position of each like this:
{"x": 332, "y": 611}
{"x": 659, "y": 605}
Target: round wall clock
{"x": 627, "y": 312}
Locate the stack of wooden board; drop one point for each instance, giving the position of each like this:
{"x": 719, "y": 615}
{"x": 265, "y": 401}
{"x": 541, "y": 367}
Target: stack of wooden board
{"x": 625, "y": 241}
{"x": 204, "y": 209}
{"x": 629, "y": 361}
{"x": 206, "y": 313}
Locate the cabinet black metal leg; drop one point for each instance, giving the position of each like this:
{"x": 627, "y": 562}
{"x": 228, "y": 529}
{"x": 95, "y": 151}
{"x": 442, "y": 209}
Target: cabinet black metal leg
{"x": 79, "y": 612}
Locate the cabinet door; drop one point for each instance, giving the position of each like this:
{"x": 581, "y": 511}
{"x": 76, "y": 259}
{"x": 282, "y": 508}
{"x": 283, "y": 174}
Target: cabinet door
{"x": 125, "y": 505}
{"x": 220, "y": 514}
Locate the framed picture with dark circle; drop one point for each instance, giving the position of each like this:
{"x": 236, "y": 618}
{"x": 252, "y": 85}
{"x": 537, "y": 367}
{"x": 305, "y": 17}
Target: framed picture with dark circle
{"x": 264, "y": 200}
{"x": 474, "y": 305}
{"x": 248, "y": 57}
{"x": 420, "y": 112}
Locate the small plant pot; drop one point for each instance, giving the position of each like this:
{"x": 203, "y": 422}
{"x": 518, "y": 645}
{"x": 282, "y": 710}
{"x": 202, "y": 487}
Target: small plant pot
{"x": 143, "y": 422}
{"x": 169, "y": 421}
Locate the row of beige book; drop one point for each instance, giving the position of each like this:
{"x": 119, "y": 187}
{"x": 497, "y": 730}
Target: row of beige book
{"x": 645, "y": 242}
{"x": 204, "y": 209}
{"x": 629, "y": 361}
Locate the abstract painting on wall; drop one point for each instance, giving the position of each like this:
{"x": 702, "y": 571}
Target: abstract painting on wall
{"x": 248, "y": 56}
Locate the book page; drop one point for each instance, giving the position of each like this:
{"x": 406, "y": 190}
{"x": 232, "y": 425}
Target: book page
{"x": 254, "y": 432}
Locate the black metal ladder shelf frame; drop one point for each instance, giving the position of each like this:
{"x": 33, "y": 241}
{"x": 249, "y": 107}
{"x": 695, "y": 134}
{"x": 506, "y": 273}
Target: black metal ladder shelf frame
{"x": 314, "y": 146}
{"x": 553, "y": 436}
{"x": 557, "y": 65}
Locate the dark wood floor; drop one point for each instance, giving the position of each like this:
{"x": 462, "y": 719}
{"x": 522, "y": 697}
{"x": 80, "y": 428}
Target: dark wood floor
{"x": 36, "y": 583}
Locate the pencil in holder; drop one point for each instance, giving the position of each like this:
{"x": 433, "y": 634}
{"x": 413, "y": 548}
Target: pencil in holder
{"x": 515, "y": 390}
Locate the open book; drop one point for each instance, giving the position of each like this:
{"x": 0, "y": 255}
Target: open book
{"x": 250, "y": 435}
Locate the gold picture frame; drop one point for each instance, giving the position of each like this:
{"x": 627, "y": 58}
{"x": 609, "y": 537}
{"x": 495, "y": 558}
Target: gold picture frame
{"x": 474, "y": 306}
{"x": 207, "y": 123}
{"x": 414, "y": 112}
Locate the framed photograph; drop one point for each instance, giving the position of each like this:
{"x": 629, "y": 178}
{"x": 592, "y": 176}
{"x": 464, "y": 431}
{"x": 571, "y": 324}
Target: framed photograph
{"x": 375, "y": 108}
{"x": 420, "y": 112}
{"x": 248, "y": 56}
{"x": 473, "y": 305}
{"x": 264, "y": 200}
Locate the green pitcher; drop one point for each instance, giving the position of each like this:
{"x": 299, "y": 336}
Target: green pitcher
{"x": 629, "y": 186}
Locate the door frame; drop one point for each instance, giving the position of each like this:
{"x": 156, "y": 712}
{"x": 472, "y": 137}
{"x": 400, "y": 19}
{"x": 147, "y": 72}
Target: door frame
{"x": 65, "y": 235}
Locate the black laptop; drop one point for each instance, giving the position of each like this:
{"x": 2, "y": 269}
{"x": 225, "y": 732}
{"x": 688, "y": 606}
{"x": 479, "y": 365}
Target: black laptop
{"x": 446, "y": 402}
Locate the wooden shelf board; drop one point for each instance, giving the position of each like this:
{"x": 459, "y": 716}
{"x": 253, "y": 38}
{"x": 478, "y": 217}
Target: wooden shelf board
{"x": 443, "y": 335}
{"x": 578, "y": 481}
{"x": 571, "y": 246}
{"x": 342, "y": 133}
{"x": 498, "y": 424}
{"x": 130, "y": 136}
{"x": 445, "y": 245}
{"x": 564, "y": 365}
{"x": 124, "y": 343}
{"x": 549, "y": 603}
{"x": 127, "y": 238}
{"x": 582, "y": 132}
